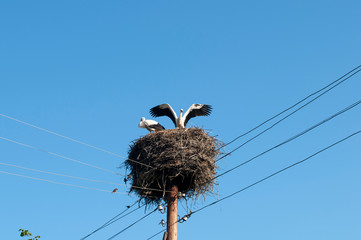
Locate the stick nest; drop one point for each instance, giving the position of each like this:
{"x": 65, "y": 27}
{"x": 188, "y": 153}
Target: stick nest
{"x": 181, "y": 157}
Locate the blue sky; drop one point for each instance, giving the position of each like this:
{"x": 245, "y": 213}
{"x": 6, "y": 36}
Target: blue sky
{"x": 90, "y": 70}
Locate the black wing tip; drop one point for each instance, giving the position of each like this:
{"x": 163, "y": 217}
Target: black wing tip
{"x": 153, "y": 111}
{"x": 208, "y": 106}
{"x": 159, "y": 127}
{"x": 207, "y": 109}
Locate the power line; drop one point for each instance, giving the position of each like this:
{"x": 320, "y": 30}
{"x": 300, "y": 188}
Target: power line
{"x": 302, "y": 100}
{"x": 132, "y": 224}
{"x": 157, "y": 233}
{"x": 62, "y": 175}
{"x": 293, "y": 138}
{"x": 58, "y": 155}
{"x": 81, "y": 178}
{"x": 62, "y": 136}
{"x": 263, "y": 179}
{"x": 118, "y": 215}
{"x": 60, "y": 183}
{"x": 275, "y": 173}
{"x": 74, "y": 140}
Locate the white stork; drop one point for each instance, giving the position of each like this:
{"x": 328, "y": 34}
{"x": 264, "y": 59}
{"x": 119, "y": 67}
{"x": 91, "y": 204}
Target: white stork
{"x": 150, "y": 125}
{"x": 181, "y": 121}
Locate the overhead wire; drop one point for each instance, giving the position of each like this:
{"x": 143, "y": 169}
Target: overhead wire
{"x": 116, "y": 216}
{"x": 157, "y": 233}
{"x": 265, "y": 178}
{"x": 293, "y": 138}
{"x": 129, "y": 226}
{"x": 61, "y": 175}
{"x": 58, "y": 155}
{"x": 74, "y": 140}
{"x": 120, "y": 217}
{"x": 294, "y": 105}
{"x": 279, "y": 171}
{"x": 60, "y": 183}
{"x": 74, "y": 177}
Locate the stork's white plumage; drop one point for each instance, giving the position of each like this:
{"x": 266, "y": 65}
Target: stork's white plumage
{"x": 150, "y": 125}
{"x": 181, "y": 121}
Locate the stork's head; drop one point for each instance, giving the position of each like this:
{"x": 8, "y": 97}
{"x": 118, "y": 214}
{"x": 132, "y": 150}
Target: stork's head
{"x": 142, "y": 119}
{"x": 181, "y": 110}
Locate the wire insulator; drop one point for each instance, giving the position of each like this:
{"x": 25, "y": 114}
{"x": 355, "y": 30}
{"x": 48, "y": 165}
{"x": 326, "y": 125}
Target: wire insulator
{"x": 161, "y": 208}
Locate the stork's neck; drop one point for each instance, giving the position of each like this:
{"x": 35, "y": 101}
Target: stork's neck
{"x": 180, "y": 120}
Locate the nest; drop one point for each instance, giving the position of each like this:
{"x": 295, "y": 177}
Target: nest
{"x": 181, "y": 157}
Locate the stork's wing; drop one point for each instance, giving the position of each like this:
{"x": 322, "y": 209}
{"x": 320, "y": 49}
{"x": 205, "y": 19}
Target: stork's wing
{"x": 150, "y": 122}
{"x": 164, "y": 110}
{"x": 154, "y": 124}
{"x": 157, "y": 127}
{"x": 197, "y": 110}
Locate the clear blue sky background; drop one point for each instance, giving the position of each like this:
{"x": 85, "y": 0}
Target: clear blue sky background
{"x": 91, "y": 69}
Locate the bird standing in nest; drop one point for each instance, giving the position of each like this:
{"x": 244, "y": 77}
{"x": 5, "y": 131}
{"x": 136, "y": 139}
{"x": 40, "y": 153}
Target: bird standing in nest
{"x": 150, "y": 125}
{"x": 180, "y": 122}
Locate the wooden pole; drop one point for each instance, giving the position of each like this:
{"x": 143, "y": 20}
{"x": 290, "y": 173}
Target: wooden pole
{"x": 172, "y": 214}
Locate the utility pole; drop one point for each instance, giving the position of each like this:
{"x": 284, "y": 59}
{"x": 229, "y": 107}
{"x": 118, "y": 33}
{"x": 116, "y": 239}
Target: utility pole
{"x": 172, "y": 214}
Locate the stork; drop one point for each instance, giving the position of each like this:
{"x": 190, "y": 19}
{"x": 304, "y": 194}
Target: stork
{"x": 181, "y": 121}
{"x": 150, "y": 125}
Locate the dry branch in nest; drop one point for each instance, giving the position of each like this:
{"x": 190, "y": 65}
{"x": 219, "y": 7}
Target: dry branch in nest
{"x": 182, "y": 157}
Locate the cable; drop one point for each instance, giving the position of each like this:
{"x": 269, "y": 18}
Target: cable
{"x": 62, "y": 175}
{"x": 113, "y": 220}
{"x": 58, "y": 155}
{"x": 60, "y": 183}
{"x": 71, "y": 139}
{"x": 132, "y": 224}
{"x": 105, "y": 224}
{"x": 284, "y": 118}
{"x": 117, "y": 219}
{"x": 62, "y": 136}
{"x": 292, "y": 138}
{"x": 294, "y": 106}
{"x": 275, "y": 173}
{"x": 119, "y": 215}
{"x": 81, "y": 178}
{"x": 265, "y": 178}
{"x": 156, "y": 234}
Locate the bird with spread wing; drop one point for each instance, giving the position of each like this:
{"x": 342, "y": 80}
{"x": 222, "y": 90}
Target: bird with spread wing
{"x": 181, "y": 121}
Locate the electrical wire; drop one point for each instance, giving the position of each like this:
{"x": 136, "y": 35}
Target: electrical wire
{"x": 58, "y": 155}
{"x": 60, "y": 183}
{"x": 81, "y": 178}
{"x": 157, "y": 234}
{"x": 115, "y": 235}
{"x": 74, "y": 140}
{"x": 289, "y": 108}
{"x": 117, "y": 219}
{"x": 106, "y": 224}
{"x": 62, "y": 175}
{"x": 279, "y": 171}
{"x": 293, "y": 138}
{"x": 264, "y": 179}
